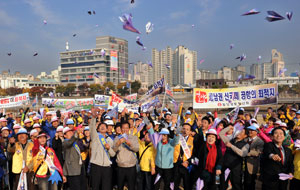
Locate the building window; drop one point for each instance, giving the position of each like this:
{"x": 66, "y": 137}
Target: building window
{"x": 206, "y": 84}
{"x": 73, "y": 70}
{"x": 65, "y": 71}
{"x": 88, "y": 69}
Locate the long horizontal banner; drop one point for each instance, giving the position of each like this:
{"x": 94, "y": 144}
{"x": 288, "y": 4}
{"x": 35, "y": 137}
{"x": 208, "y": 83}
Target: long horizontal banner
{"x": 69, "y": 103}
{"x": 233, "y": 97}
{"x": 14, "y": 101}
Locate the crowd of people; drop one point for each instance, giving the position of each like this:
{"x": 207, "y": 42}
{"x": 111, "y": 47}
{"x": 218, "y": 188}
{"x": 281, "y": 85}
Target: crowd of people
{"x": 97, "y": 149}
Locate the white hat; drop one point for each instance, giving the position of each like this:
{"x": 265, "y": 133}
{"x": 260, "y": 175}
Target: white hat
{"x": 164, "y": 131}
{"x": 87, "y": 128}
{"x": 33, "y": 131}
{"x": 255, "y": 125}
{"x": 66, "y": 129}
{"x": 107, "y": 117}
{"x": 54, "y": 119}
{"x": 22, "y": 131}
{"x": 156, "y": 123}
{"x": 283, "y": 124}
{"x": 253, "y": 120}
{"x": 36, "y": 125}
{"x": 278, "y": 122}
{"x": 16, "y": 126}
{"x": 5, "y": 128}
{"x": 27, "y": 121}
{"x": 48, "y": 113}
{"x": 211, "y": 132}
{"x": 2, "y": 119}
{"x": 109, "y": 122}
{"x": 60, "y": 129}
{"x": 168, "y": 113}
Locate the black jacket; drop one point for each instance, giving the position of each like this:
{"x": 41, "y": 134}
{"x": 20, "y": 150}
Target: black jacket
{"x": 270, "y": 168}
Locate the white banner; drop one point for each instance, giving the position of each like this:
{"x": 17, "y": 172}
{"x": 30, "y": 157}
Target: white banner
{"x": 14, "y": 101}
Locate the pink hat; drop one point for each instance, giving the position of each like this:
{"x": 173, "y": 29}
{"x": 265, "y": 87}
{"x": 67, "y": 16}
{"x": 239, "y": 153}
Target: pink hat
{"x": 60, "y": 129}
{"x": 48, "y": 113}
{"x": 54, "y": 119}
{"x": 2, "y": 119}
{"x": 27, "y": 121}
{"x": 35, "y": 118}
{"x": 211, "y": 132}
{"x": 67, "y": 129}
{"x": 17, "y": 126}
{"x": 36, "y": 126}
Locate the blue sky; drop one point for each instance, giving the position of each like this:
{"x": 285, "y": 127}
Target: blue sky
{"x": 217, "y": 24}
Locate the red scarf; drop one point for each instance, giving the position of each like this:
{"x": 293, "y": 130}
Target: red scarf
{"x": 211, "y": 157}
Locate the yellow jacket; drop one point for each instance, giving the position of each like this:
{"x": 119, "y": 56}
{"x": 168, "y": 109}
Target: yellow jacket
{"x": 297, "y": 122}
{"x": 39, "y": 158}
{"x": 148, "y": 160}
{"x": 268, "y": 116}
{"x": 178, "y": 146}
{"x": 20, "y": 155}
{"x": 296, "y": 154}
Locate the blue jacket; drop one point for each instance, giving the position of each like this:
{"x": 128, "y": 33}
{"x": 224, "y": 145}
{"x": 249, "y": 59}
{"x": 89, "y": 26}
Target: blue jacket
{"x": 50, "y": 130}
{"x": 165, "y": 153}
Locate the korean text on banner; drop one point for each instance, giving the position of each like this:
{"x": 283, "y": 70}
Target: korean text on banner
{"x": 14, "y": 101}
{"x": 233, "y": 97}
{"x": 101, "y": 100}
{"x": 113, "y": 60}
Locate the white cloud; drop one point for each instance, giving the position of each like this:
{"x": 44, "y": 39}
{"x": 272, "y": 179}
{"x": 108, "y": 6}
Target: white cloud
{"x": 208, "y": 9}
{"x": 178, "y": 14}
{"x": 41, "y": 10}
{"x": 6, "y": 20}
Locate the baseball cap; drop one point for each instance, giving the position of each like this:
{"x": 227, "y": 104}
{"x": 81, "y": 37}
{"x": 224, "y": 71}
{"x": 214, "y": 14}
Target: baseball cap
{"x": 36, "y": 126}
{"x": 70, "y": 122}
{"x": 59, "y": 129}
{"x": 109, "y": 122}
{"x": 66, "y": 129}
{"x": 27, "y": 121}
{"x": 164, "y": 131}
{"x": 22, "y": 131}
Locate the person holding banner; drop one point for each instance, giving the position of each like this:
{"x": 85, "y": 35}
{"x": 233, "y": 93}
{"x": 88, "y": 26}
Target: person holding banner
{"x": 46, "y": 166}
{"x": 22, "y": 153}
{"x": 236, "y": 150}
{"x": 101, "y": 153}
{"x": 164, "y": 156}
{"x": 126, "y": 146}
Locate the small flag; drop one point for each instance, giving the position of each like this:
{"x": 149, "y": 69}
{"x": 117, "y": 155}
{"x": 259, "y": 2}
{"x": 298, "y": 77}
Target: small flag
{"x": 35, "y": 101}
{"x": 128, "y": 84}
{"x": 113, "y": 112}
{"x": 95, "y": 75}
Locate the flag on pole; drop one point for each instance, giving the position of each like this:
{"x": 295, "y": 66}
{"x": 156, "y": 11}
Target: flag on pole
{"x": 35, "y": 101}
{"x": 168, "y": 90}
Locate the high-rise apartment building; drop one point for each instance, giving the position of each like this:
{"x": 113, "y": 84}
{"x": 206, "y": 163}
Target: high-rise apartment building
{"x": 255, "y": 70}
{"x": 184, "y": 66}
{"x": 162, "y": 65}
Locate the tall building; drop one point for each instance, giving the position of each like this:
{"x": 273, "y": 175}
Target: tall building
{"x": 229, "y": 73}
{"x": 278, "y": 63}
{"x": 184, "y": 66}
{"x": 140, "y": 73}
{"x": 162, "y": 65}
{"x": 205, "y": 75}
{"x": 255, "y": 70}
{"x": 111, "y": 44}
{"x": 80, "y": 66}
{"x": 272, "y": 68}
